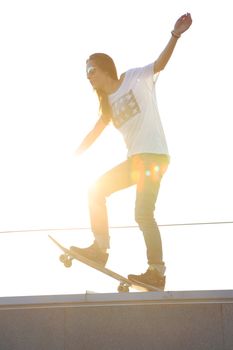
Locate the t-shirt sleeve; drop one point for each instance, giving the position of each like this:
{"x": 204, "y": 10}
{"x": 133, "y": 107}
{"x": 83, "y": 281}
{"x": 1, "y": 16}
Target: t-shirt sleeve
{"x": 147, "y": 73}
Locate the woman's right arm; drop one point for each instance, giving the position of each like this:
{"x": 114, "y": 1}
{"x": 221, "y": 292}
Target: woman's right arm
{"x": 91, "y": 136}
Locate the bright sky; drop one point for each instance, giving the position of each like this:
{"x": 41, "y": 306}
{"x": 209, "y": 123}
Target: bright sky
{"x": 47, "y": 106}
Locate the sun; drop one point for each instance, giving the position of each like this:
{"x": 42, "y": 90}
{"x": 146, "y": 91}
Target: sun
{"x": 87, "y": 171}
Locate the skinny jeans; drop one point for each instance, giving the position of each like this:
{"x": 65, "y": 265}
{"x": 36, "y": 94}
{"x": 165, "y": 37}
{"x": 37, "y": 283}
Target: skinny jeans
{"x": 145, "y": 171}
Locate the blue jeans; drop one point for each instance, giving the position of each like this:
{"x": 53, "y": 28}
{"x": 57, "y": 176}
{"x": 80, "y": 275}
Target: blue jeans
{"x": 145, "y": 171}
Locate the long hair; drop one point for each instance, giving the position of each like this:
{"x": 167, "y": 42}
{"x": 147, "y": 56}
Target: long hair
{"x": 106, "y": 64}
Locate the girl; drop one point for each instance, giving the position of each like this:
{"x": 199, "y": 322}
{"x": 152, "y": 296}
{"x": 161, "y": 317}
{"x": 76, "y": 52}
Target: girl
{"x": 130, "y": 104}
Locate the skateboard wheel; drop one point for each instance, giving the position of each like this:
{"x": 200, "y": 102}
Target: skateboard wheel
{"x": 122, "y": 288}
{"x": 63, "y": 258}
{"x": 68, "y": 262}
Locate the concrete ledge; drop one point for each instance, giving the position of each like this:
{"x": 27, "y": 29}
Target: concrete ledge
{"x": 93, "y": 299}
{"x": 193, "y": 320}
{"x": 102, "y": 299}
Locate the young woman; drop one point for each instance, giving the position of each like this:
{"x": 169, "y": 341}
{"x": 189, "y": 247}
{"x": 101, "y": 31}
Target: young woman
{"x": 130, "y": 104}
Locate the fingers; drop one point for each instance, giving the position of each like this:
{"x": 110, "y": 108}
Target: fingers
{"x": 185, "y": 16}
{"x": 185, "y": 20}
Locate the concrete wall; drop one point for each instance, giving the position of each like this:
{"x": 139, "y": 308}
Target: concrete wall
{"x": 164, "y": 321}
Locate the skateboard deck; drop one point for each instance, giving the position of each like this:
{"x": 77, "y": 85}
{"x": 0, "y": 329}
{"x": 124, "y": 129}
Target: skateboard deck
{"x": 67, "y": 257}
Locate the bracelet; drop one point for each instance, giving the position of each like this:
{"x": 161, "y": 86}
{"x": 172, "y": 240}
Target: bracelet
{"x": 176, "y": 35}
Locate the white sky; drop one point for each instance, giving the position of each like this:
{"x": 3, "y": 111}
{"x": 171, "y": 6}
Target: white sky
{"x": 47, "y": 106}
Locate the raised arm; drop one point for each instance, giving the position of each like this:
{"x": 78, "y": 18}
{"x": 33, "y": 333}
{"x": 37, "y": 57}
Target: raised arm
{"x": 91, "y": 136}
{"x": 181, "y": 25}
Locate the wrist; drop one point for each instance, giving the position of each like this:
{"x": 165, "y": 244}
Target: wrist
{"x": 175, "y": 34}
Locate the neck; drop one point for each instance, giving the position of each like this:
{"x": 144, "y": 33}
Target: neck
{"x": 112, "y": 85}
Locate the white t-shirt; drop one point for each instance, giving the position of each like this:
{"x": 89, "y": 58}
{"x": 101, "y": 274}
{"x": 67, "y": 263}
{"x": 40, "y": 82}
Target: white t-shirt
{"x": 135, "y": 112}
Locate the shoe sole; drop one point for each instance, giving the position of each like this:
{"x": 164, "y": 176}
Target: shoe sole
{"x": 101, "y": 263}
{"x": 149, "y": 286}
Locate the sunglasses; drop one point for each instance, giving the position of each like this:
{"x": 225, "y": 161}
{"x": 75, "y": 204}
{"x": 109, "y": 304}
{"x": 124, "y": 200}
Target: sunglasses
{"x": 90, "y": 70}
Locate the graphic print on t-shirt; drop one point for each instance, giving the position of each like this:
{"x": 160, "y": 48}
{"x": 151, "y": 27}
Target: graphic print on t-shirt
{"x": 124, "y": 108}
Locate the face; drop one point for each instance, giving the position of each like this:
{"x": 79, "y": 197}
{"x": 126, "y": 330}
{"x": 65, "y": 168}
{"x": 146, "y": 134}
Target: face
{"x": 95, "y": 75}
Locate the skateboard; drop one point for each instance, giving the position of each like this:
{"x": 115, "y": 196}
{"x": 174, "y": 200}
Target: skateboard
{"x": 67, "y": 257}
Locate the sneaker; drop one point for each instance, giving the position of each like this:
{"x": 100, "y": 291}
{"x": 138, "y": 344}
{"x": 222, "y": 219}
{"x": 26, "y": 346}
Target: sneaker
{"x": 93, "y": 253}
{"x": 150, "y": 278}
